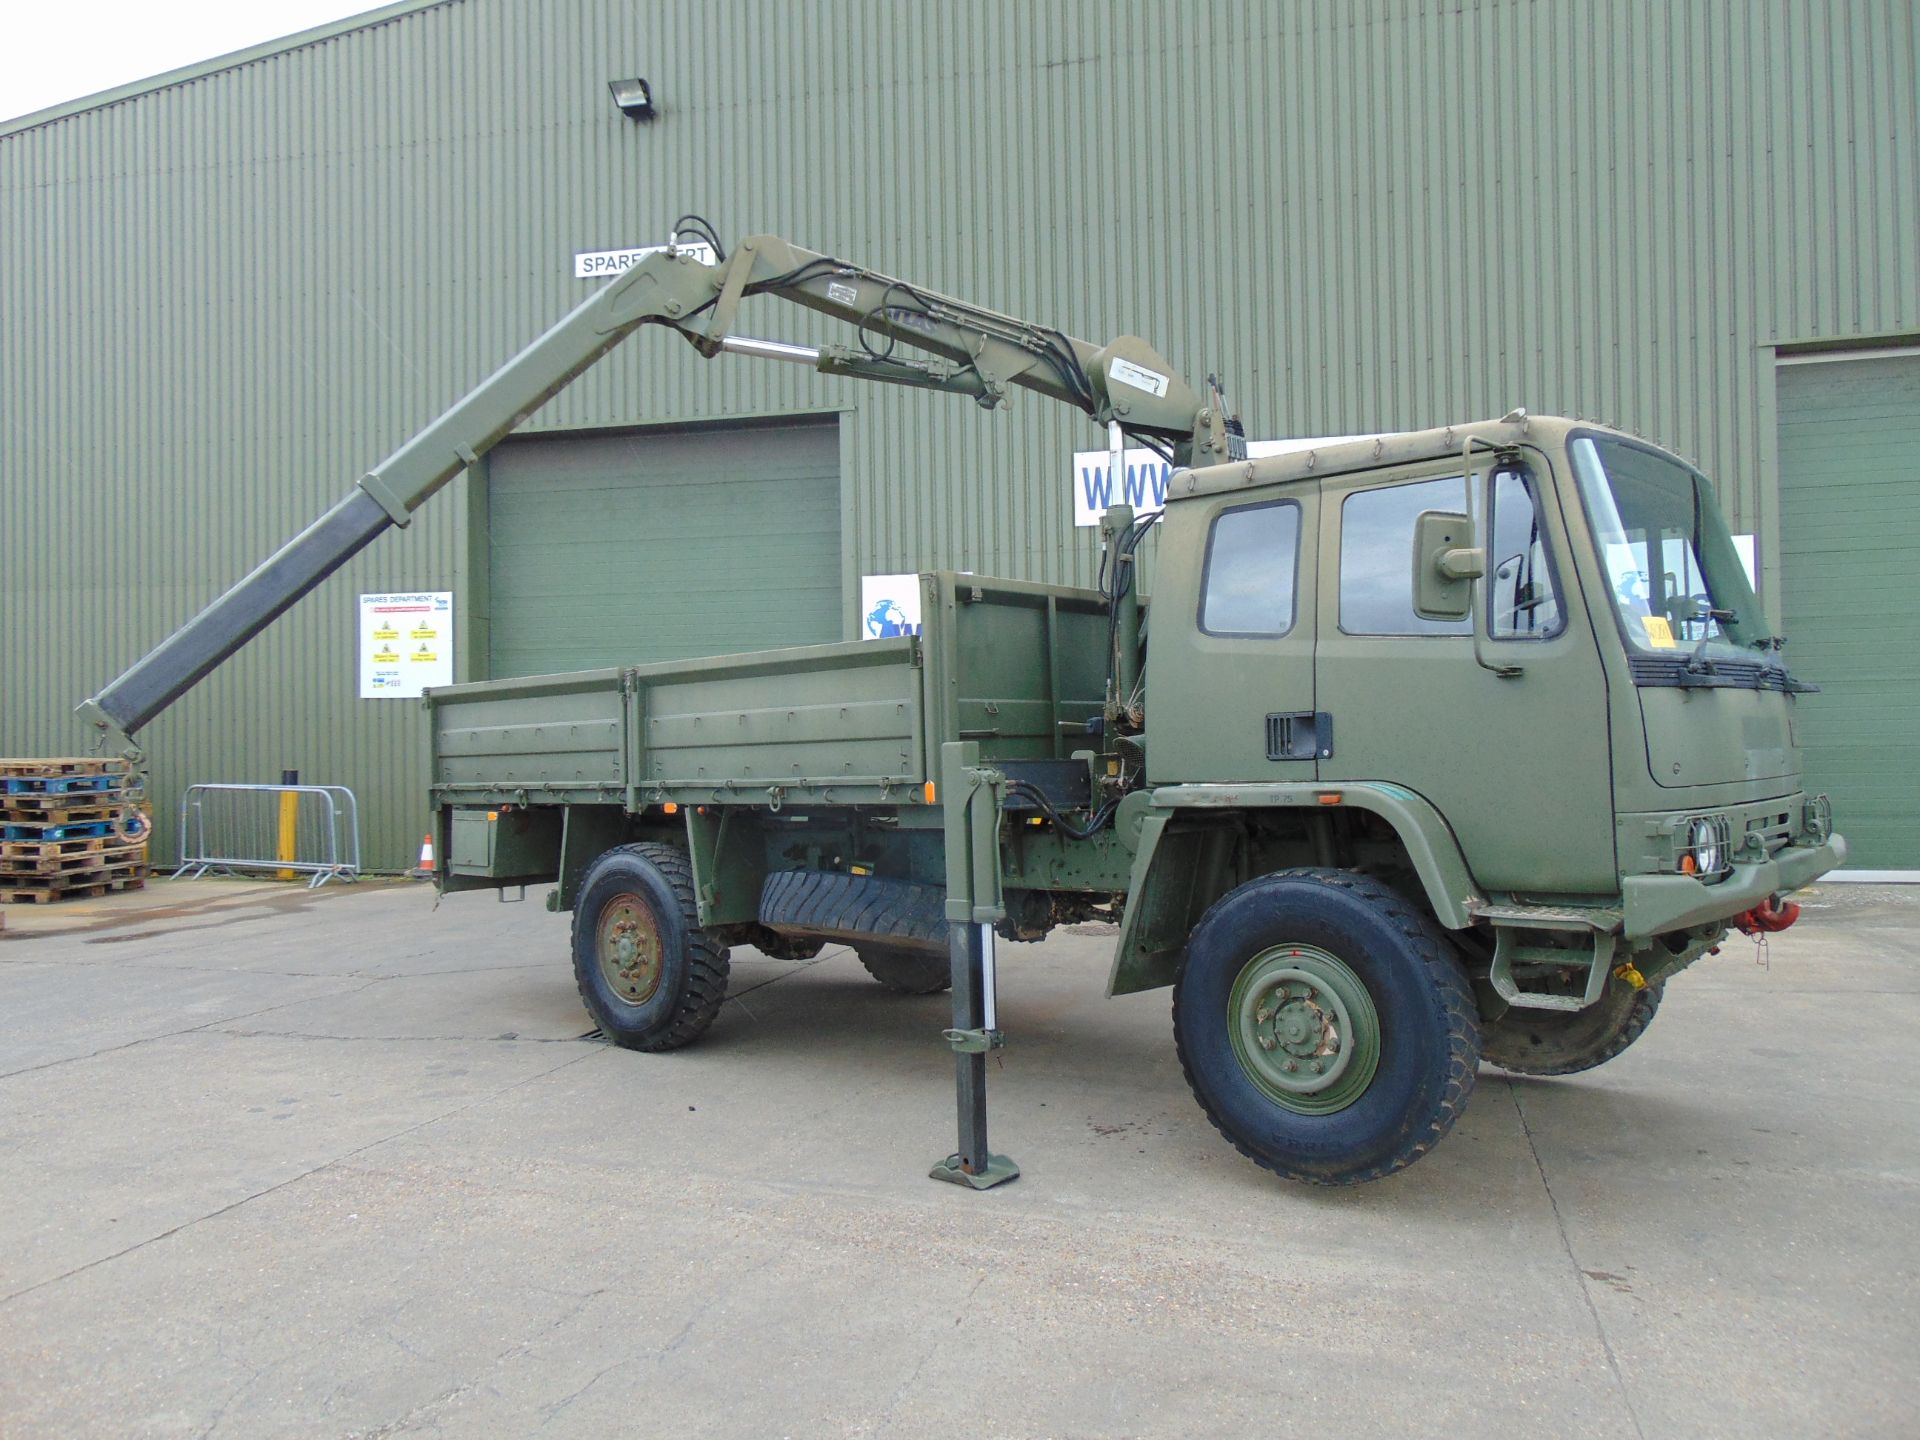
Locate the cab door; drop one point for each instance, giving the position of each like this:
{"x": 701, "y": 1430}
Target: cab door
{"x": 1505, "y": 733}
{"x": 1230, "y": 639}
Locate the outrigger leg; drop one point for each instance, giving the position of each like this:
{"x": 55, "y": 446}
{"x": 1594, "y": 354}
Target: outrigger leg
{"x": 972, "y": 797}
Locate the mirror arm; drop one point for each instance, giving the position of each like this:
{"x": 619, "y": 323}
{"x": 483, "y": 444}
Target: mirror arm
{"x": 1482, "y": 525}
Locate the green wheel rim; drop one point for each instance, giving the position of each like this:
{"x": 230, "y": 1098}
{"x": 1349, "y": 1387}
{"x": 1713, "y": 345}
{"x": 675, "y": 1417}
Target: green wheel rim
{"x": 629, "y": 949}
{"x": 1304, "y": 1029}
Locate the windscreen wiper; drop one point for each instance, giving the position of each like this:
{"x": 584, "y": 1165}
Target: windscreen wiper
{"x": 1697, "y": 662}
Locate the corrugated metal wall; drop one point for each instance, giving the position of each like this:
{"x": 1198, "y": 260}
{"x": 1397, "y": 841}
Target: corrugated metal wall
{"x": 224, "y": 299}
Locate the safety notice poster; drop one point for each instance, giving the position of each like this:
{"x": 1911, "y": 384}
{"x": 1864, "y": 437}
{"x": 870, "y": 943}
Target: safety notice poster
{"x": 406, "y": 644}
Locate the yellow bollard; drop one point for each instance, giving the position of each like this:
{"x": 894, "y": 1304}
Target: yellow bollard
{"x": 289, "y": 822}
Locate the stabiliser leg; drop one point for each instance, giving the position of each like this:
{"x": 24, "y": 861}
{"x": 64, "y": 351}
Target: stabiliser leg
{"x": 972, "y": 1036}
{"x": 971, "y": 795}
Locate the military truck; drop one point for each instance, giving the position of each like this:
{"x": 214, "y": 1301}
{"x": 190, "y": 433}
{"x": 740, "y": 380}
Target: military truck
{"x": 1426, "y": 749}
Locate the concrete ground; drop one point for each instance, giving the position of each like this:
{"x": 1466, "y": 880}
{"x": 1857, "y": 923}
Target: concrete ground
{"x": 276, "y": 1163}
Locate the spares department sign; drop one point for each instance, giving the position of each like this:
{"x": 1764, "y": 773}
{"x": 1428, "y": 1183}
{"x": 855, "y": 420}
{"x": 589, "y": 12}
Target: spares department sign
{"x": 605, "y": 264}
{"x": 406, "y": 644}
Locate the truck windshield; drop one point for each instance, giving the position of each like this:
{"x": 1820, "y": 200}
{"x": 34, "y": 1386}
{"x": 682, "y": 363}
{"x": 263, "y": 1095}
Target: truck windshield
{"x": 1675, "y": 576}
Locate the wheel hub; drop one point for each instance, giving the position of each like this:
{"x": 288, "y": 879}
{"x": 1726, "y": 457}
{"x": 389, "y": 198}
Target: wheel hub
{"x": 1304, "y": 1028}
{"x": 630, "y": 949}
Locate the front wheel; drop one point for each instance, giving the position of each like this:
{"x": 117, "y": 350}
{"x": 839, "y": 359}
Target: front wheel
{"x": 1325, "y": 1027}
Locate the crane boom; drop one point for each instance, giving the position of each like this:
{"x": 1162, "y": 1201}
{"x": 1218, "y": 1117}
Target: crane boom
{"x": 974, "y": 352}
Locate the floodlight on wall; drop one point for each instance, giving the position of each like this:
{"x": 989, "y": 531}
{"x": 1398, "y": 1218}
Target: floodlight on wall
{"x": 634, "y": 97}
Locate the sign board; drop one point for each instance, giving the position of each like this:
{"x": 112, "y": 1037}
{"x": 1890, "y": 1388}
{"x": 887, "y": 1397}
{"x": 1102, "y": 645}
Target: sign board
{"x": 605, "y": 264}
{"x": 889, "y": 605}
{"x": 1144, "y": 486}
{"x": 406, "y": 644}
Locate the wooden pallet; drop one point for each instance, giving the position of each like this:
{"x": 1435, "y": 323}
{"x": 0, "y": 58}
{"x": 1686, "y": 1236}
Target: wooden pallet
{"x": 76, "y": 888}
{"x": 40, "y": 769}
{"x": 43, "y": 806}
{"x": 61, "y": 785}
{"x": 67, "y": 827}
{"x": 63, "y": 830}
{"x": 100, "y": 869}
{"x": 84, "y": 863}
{"x": 45, "y": 849}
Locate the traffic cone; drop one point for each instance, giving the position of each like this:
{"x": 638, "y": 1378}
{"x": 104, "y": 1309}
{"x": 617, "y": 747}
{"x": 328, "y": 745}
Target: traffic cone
{"x": 424, "y": 870}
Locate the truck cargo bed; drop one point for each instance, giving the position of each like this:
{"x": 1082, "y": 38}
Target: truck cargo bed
{"x": 1019, "y": 667}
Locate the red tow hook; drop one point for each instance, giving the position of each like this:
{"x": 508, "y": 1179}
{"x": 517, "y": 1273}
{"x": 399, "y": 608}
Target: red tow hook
{"x": 1769, "y": 917}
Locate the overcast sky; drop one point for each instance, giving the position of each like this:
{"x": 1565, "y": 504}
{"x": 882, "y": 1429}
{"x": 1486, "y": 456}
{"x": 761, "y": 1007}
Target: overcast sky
{"x": 61, "y": 52}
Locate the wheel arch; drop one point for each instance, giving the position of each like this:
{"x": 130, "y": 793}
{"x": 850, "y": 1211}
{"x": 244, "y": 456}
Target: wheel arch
{"x": 1184, "y": 861}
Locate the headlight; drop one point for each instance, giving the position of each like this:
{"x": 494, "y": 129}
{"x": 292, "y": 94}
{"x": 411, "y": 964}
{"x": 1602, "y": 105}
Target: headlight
{"x": 1709, "y": 846}
{"x": 1704, "y": 843}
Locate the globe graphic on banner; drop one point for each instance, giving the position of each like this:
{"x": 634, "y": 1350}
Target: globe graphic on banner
{"x": 885, "y": 620}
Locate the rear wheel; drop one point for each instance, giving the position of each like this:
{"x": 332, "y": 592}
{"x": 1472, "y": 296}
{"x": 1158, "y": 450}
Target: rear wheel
{"x": 775, "y": 946}
{"x": 907, "y": 972}
{"x": 648, "y": 974}
{"x": 1565, "y": 1042}
{"x": 1324, "y": 1026}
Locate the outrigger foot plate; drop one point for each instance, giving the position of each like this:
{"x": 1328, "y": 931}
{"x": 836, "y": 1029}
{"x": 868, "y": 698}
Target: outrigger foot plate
{"x": 999, "y": 1170}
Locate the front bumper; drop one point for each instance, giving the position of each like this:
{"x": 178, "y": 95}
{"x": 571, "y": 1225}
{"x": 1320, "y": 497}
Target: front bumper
{"x": 1656, "y": 904}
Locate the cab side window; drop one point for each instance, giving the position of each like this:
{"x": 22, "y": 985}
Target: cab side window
{"x": 1252, "y": 560}
{"x": 1523, "y": 601}
{"x": 1376, "y": 557}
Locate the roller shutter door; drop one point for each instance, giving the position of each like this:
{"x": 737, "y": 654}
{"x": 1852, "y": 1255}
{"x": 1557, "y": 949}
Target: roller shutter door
{"x": 614, "y": 550}
{"x": 1850, "y": 592}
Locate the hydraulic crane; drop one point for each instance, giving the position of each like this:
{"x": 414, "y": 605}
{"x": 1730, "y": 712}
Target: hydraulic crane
{"x": 973, "y": 352}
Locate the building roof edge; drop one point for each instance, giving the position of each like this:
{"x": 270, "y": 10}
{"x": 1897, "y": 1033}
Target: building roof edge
{"x": 233, "y": 60}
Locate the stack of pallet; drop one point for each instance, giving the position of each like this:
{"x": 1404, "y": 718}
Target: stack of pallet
{"x": 69, "y": 828}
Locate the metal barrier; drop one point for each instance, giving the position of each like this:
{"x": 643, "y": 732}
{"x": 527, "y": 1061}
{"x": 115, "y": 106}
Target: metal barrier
{"x": 313, "y": 829}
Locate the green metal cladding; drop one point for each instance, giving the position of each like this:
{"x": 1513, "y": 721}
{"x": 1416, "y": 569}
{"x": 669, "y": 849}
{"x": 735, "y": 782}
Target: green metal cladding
{"x": 225, "y": 295}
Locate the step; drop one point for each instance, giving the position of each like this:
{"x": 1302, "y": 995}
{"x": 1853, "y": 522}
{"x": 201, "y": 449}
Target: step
{"x": 1548, "y": 917}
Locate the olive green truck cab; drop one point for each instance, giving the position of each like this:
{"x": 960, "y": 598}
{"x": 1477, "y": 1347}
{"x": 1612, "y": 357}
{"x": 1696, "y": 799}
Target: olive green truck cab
{"x": 1425, "y": 749}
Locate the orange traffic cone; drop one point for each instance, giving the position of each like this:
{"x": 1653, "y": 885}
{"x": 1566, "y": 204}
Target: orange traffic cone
{"x": 424, "y": 870}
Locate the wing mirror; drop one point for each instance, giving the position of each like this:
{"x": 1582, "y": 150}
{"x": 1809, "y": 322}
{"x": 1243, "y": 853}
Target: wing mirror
{"x": 1446, "y": 562}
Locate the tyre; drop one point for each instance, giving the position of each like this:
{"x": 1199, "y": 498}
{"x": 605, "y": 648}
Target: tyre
{"x": 1325, "y": 1026}
{"x": 1565, "y": 1042}
{"x": 649, "y": 975}
{"x": 908, "y": 972}
{"x": 855, "y": 909}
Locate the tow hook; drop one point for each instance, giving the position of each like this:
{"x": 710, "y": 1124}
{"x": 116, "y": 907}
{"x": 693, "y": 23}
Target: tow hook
{"x": 1769, "y": 917}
